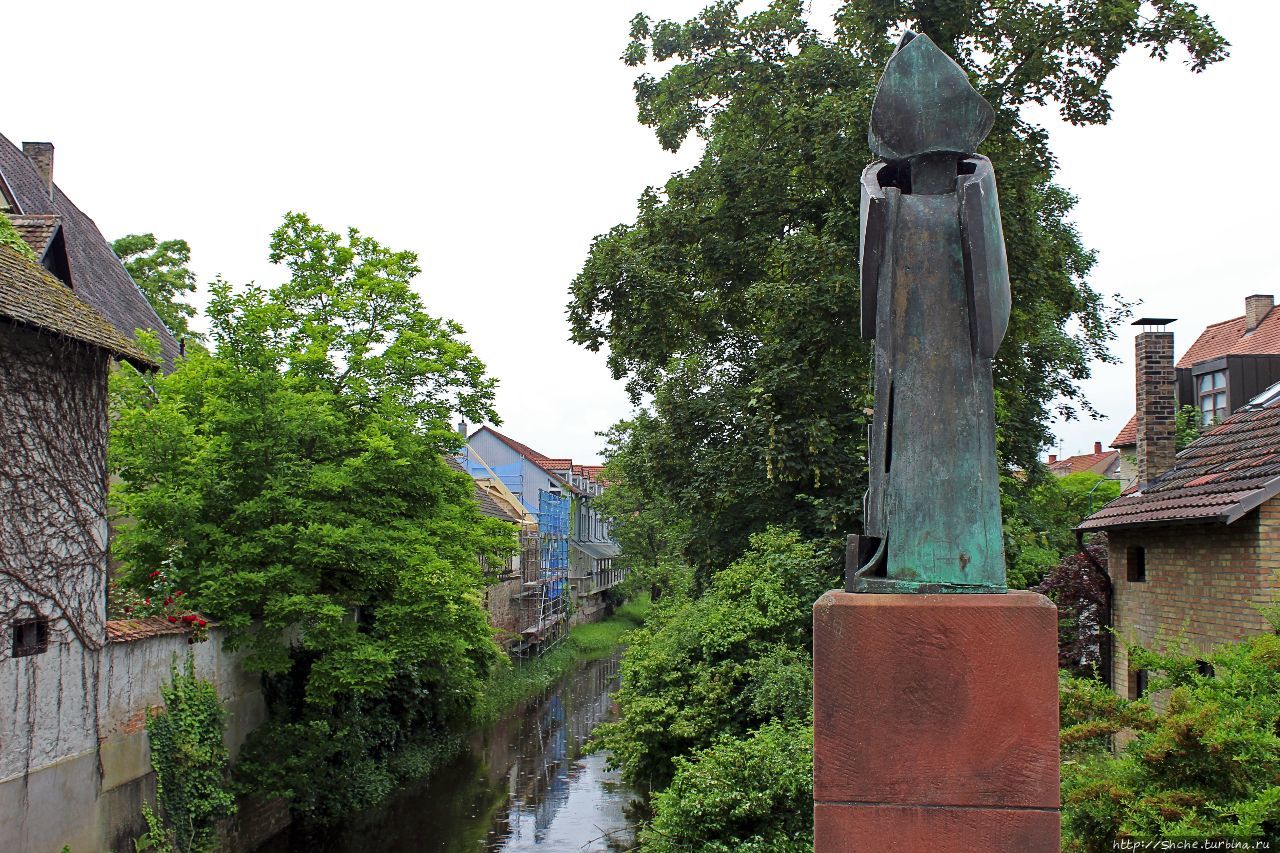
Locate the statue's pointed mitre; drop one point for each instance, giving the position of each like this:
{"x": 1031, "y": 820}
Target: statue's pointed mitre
{"x": 924, "y": 104}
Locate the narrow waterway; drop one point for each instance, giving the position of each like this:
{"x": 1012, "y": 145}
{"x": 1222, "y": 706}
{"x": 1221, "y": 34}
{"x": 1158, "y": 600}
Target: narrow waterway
{"x": 523, "y": 785}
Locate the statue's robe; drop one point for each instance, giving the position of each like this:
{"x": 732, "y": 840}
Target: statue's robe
{"x": 935, "y": 297}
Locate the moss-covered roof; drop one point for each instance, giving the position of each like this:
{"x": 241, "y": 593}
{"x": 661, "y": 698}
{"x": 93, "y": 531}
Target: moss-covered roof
{"x": 29, "y": 294}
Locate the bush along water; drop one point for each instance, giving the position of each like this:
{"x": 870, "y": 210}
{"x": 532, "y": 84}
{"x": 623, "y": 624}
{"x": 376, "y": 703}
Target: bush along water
{"x": 190, "y": 761}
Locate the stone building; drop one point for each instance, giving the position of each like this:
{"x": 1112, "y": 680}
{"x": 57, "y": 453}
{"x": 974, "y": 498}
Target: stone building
{"x": 69, "y": 245}
{"x": 1194, "y": 549}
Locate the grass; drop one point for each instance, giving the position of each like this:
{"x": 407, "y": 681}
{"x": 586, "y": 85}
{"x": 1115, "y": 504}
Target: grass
{"x": 511, "y": 685}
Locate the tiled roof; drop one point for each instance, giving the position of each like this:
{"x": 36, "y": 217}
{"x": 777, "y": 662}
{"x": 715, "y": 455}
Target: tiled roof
{"x": 38, "y": 231}
{"x": 1083, "y": 462}
{"x": 488, "y": 504}
{"x": 551, "y": 466}
{"x": 1222, "y": 475}
{"x": 1230, "y": 338}
{"x": 128, "y": 630}
{"x": 32, "y": 296}
{"x": 97, "y": 276}
{"x": 1128, "y": 436}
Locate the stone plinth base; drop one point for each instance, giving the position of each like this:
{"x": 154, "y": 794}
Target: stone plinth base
{"x": 935, "y": 723}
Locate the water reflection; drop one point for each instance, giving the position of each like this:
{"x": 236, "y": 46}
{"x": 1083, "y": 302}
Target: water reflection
{"x": 524, "y": 785}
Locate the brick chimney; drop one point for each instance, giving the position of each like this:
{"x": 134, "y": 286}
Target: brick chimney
{"x": 1053, "y": 457}
{"x": 1097, "y": 447}
{"x": 1156, "y": 403}
{"x": 41, "y": 156}
{"x": 1256, "y": 308}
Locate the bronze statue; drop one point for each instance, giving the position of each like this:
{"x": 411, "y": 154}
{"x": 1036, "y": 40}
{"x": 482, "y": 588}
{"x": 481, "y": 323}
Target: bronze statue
{"x": 935, "y": 297}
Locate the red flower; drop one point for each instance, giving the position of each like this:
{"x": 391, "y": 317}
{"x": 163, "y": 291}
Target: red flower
{"x": 168, "y": 600}
{"x": 201, "y": 623}
{"x": 189, "y": 618}
{"x": 154, "y": 574}
{"x": 146, "y": 601}
{"x": 173, "y": 619}
{"x": 179, "y": 592}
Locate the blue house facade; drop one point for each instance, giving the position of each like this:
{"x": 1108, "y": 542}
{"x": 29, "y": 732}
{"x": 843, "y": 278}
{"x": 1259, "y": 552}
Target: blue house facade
{"x": 576, "y": 545}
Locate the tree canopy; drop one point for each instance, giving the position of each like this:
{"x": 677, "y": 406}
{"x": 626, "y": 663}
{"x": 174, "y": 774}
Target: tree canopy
{"x": 729, "y": 304}
{"x": 291, "y": 482}
{"x": 160, "y": 269}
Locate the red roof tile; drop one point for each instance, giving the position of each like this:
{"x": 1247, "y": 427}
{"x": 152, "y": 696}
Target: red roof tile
{"x": 1128, "y": 436}
{"x": 37, "y": 230}
{"x": 1222, "y": 475}
{"x": 1083, "y": 462}
{"x": 1230, "y": 338}
{"x": 128, "y": 630}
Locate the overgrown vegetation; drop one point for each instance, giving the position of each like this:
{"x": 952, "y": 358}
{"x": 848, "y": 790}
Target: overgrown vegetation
{"x": 190, "y": 762}
{"x": 290, "y": 481}
{"x": 729, "y": 307}
{"x": 1204, "y": 758}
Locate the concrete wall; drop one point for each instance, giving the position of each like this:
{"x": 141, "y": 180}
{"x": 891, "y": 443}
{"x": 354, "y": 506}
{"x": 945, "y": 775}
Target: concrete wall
{"x": 90, "y": 797}
{"x": 1203, "y": 583}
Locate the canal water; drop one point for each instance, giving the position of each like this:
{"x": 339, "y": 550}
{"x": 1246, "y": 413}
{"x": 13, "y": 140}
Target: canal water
{"x": 524, "y": 785}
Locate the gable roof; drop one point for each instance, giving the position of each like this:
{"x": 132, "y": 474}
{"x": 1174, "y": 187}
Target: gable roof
{"x": 29, "y": 294}
{"x": 97, "y": 276}
{"x": 1128, "y": 436}
{"x": 1224, "y": 474}
{"x": 1230, "y": 338}
{"x": 1097, "y": 462}
{"x": 547, "y": 464}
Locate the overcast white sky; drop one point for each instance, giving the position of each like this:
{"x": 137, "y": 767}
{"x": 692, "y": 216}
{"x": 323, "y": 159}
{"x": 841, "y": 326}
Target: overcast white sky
{"x": 497, "y": 139}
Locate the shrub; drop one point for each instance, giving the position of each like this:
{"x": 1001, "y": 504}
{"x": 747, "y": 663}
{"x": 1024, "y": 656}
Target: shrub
{"x": 190, "y": 759}
{"x": 753, "y": 793}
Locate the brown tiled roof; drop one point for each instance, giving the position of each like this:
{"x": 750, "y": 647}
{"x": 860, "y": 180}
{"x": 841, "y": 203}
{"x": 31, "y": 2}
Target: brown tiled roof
{"x": 1128, "y": 436}
{"x": 97, "y": 276}
{"x": 1230, "y": 338}
{"x": 487, "y": 503}
{"x": 37, "y": 231}
{"x": 128, "y": 630}
{"x": 1083, "y": 462}
{"x": 30, "y": 295}
{"x": 1222, "y": 475}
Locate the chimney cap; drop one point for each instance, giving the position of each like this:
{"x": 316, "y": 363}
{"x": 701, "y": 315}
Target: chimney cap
{"x": 1154, "y": 321}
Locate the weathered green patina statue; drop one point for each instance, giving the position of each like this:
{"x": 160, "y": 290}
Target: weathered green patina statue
{"x": 935, "y": 297}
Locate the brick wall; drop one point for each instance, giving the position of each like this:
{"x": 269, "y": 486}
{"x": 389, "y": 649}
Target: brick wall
{"x": 1203, "y": 581}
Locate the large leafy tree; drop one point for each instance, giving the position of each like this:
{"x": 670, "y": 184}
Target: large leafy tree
{"x": 730, "y": 303}
{"x": 160, "y": 269}
{"x": 291, "y": 482}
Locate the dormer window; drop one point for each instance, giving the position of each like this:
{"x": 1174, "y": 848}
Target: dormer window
{"x": 1212, "y": 392}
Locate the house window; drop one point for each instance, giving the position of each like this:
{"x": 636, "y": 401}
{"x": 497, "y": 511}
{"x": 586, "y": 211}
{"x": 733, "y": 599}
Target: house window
{"x": 1137, "y": 684}
{"x": 1136, "y": 564}
{"x": 30, "y": 636}
{"x": 1212, "y": 391}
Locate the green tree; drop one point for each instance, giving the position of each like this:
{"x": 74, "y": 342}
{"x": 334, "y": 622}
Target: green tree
{"x": 724, "y": 663}
{"x": 1040, "y": 516}
{"x": 1187, "y": 426}
{"x": 291, "y": 482}
{"x": 159, "y": 268}
{"x": 731, "y": 300}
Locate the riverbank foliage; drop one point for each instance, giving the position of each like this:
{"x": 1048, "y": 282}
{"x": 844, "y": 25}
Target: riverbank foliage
{"x": 716, "y": 702}
{"x": 291, "y": 481}
{"x": 1203, "y": 760}
{"x": 513, "y": 683}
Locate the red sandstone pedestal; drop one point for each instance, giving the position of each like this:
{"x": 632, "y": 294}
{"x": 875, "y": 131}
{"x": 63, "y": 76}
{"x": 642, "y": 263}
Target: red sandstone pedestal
{"x": 935, "y": 723}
